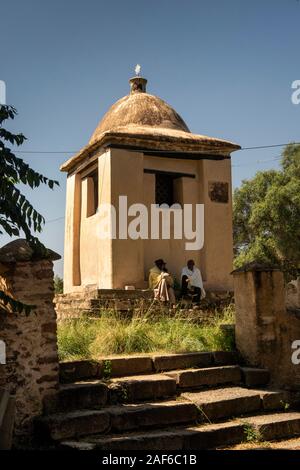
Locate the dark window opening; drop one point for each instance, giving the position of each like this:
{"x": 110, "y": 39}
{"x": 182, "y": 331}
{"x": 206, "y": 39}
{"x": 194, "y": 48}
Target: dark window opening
{"x": 164, "y": 192}
{"x": 92, "y": 193}
{"x": 95, "y": 182}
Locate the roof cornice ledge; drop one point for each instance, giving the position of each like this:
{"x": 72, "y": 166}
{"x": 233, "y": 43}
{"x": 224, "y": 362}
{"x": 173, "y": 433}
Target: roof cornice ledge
{"x": 159, "y": 140}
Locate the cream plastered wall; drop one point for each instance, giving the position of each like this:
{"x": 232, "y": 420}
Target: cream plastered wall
{"x": 95, "y": 252}
{"x": 89, "y": 249}
{"x": 218, "y": 242}
{"x": 87, "y": 258}
{"x": 72, "y": 233}
{"x": 127, "y": 254}
{"x": 187, "y": 191}
{"x": 119, "y": 262}
{"x": 215, "y": 259}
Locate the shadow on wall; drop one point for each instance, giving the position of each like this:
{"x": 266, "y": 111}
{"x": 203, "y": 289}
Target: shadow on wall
{"x": 266, "y": 330}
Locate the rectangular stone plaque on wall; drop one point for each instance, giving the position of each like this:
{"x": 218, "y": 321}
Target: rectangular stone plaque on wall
{"x": 218, "y": 191}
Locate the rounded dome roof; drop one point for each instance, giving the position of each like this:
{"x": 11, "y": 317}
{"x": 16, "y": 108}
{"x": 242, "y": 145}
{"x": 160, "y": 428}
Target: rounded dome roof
{"x": 145, "y": 122}
{"x": 139, "y": 109}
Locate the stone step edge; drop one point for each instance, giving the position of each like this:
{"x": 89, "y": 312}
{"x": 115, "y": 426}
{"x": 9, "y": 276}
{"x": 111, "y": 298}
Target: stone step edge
{"x": 133, "y": 389}
{"x": 186, "y": 411}
{"x": 210, "y": 436}
{"x": 102, "y": 421}
{"x": 143, "y": 387}
{"x": 109, "y": 418}
{"x": 264, "y": 394}
{"x": 116, "y": 366}
{"x": 114, "y": 408}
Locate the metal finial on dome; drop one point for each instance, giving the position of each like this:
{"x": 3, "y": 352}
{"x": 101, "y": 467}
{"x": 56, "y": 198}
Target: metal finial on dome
{"x": 138, "y": 83}
{"x": 137, "y": 70}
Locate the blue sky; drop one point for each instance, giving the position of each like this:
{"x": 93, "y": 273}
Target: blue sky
{"x": 225, "y": 66}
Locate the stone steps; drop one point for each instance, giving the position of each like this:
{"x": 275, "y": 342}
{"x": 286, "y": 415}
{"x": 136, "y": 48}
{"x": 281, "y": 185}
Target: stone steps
{"x": 114, "y": 366}
{"x": 111, "y": 304}
{"x": 189, "y": 408}
{"x": 206, "y": 377}
{"x": 82, "y": 395}
{"x": 117, "y": 419}
{"x": 120, "y": 299}
{"x": 268, "y": 427}
{"x": 91, "y": 301}
{"x": 129, "y": 389}
{"x": 166, "y": 402}
{"x": 141, "y": 388}
{"x": 95, "y": 393}
{"x": 122, "y": 294}
{"x": 226, "y": 402}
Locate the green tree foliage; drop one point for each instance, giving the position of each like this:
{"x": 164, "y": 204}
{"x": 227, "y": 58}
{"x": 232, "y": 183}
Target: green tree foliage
{"x": 58, "y": 285}
{"x": 267, "y": 216}
{"x": 17, "y": 215}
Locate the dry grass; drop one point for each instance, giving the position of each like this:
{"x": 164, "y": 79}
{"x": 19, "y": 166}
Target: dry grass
{"x": 146, "y": 331}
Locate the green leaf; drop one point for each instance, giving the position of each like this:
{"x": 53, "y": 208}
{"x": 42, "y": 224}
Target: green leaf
{"x": 16, "y": 213}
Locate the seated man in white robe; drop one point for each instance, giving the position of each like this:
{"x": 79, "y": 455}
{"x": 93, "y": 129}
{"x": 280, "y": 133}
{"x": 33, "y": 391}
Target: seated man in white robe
{"x": 191, "y": 282}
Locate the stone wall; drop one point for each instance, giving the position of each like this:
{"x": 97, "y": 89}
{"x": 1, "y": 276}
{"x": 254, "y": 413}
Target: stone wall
{"x": 31, "y": 342}
{"x": 91, "y": 301}
{"x": 265, "y": 328}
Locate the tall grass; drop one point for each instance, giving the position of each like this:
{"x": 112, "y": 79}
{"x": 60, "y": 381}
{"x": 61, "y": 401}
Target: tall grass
{"x": 75, "y": 338}
{"x": 146, "y": 331}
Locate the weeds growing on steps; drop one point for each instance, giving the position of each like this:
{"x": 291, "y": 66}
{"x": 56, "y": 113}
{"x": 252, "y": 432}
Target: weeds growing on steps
{"x": 252, "y": 434}
{"x": 146, "y": 331}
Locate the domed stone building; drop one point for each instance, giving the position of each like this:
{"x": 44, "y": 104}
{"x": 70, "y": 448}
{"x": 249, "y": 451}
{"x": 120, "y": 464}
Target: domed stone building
{"x": 142, "y": 149}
